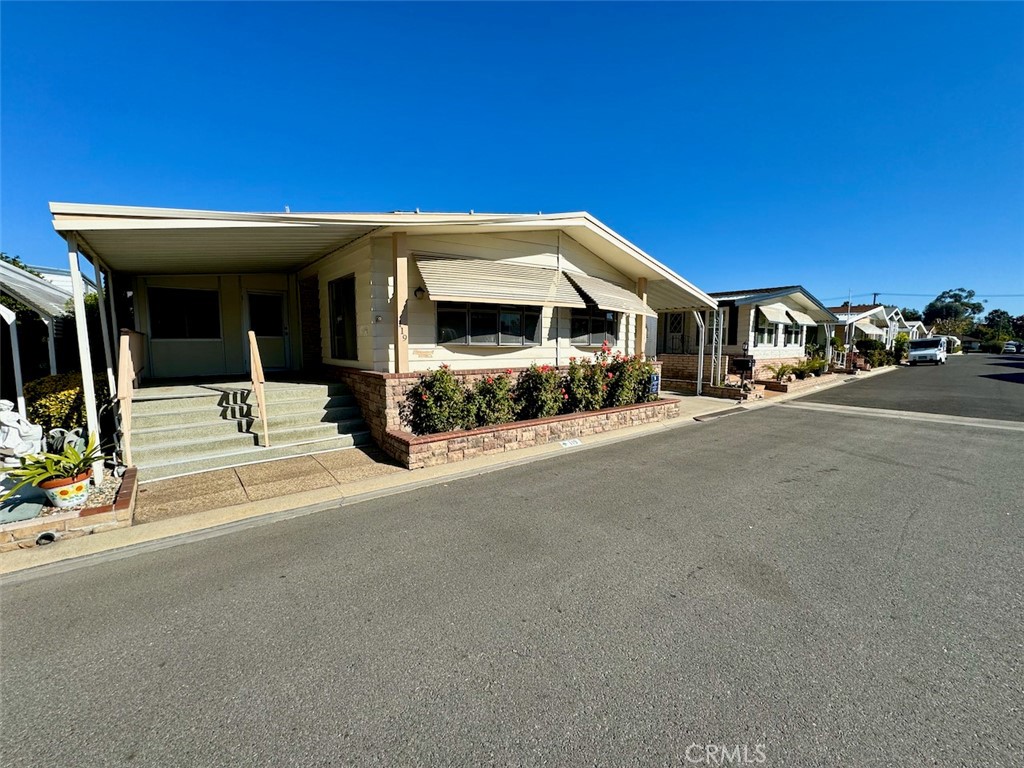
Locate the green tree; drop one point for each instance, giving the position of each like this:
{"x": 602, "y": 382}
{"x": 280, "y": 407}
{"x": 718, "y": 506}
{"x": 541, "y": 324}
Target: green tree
{"x": 911, "y": 314}
{"x": 998, "y": 325}
{"x": 1018, "y": 327}
{"x": 956, "y": 305}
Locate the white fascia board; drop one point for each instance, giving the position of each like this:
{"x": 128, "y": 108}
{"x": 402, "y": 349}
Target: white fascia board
{"x": 92, "y": 225}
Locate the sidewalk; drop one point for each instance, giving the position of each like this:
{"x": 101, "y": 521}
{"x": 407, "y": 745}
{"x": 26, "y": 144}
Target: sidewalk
{"x": 287, "y": 488}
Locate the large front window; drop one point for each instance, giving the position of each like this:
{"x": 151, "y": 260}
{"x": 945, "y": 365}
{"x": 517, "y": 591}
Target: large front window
{"x": 184, "y": 313}
{"x": 592, "y": 327}
{"x": 487, "y": 325}
{"x": 793, "y": 334}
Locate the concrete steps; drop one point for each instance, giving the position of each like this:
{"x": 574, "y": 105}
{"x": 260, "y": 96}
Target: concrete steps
{"x": 174, "y": 436}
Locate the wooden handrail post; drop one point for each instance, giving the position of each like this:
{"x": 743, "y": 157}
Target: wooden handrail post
{"x": 125, "y": 391}
{"x": 258, "y": 379}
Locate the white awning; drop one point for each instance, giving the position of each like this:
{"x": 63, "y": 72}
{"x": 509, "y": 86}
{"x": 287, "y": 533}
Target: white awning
{"x": 775, "y": 313}
{"x": 868, "y": 329}
{"x": 496, "y": 282}
{"x": 801, "y": 318}
{"x": 39, "y": 294}
{"x": 610, "y": 296}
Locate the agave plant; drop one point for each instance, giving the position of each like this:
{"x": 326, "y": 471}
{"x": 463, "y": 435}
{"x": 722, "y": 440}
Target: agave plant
{"x": 71, "y": 462}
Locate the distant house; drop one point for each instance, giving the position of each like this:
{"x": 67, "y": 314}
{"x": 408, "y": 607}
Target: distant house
{"x": 915, "y": 329}
{"x": 862, "y": 321}
{"x": 773, "y": 325}
{"x": 62, "y": 279}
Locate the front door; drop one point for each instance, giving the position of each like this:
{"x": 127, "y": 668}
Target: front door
{"x": 267, "y": 318}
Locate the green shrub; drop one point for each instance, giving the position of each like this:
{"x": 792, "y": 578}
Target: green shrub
{"x": 629, "y": 380}
{"x": 864, "y": 346}
{"x": 539, "y": 393}
{"x": 437, "y": 403}
{"x": 57, "y": 402}
{"x": 585, "y": 384}
{"x": 992, "y": 347}
{"x": 900, "y": 346}
{"x": 780, "y": 371}
{"x": 490, "y": 401}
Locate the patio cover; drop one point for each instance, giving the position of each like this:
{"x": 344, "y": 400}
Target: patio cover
{"x": 775, "y": 313}
{"x": 39, "y": 294}
{"x": 868, "y": 329}
{"x": 801, "y": 318}
{"x": 494, "y": 282}
{"x": 610, "y": 296}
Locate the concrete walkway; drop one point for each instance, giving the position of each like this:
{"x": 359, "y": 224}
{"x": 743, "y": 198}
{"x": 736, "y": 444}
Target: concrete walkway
{"x": 214, "y": 503}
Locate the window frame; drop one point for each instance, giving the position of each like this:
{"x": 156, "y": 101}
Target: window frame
{"x": 593, "y": 313}
{"x": 468, "y": 308}
{"x": 765, "y": 334}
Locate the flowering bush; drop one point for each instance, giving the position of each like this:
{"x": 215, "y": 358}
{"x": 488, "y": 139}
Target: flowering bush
{"x": 585, "y": 384}
{"x": 438, "y": 403}
{"x": 490, "y": 401}
{"x": 628, "y": 378}
{"x": 539, "y": 392}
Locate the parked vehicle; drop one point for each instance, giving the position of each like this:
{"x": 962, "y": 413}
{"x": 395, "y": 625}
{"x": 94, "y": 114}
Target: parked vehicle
{"x": 932, "y": 350}
{"x": 1010, "y": 348}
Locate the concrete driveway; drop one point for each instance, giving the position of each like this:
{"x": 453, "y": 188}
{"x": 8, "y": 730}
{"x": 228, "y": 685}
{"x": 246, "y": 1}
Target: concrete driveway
{"x": 822, "y": 588}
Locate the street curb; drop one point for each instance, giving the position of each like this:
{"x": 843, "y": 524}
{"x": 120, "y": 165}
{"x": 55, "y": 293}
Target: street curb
{"x": 28, "y": 564}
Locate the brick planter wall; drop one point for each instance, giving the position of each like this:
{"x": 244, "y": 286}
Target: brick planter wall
{"x": 795, "y": 386}
{"x": 380, "y": 396}
{"x": 416, "y": 452}
{"x": 707, "y": 390}
{"x": 761, "y": 365}
{"x": 684, "y": 367}
{"x": 68, "y": 525}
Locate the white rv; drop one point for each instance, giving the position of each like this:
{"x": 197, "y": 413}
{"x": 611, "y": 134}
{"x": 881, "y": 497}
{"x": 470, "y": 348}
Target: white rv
{"x": 931, "y": 350}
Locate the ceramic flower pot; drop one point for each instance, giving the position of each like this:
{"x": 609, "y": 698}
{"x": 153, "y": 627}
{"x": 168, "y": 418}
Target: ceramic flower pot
{"x": 67, "y": 491}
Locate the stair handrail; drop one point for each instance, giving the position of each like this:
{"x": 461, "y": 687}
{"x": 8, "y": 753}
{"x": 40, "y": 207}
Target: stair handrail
{"x": 129, "y": 366}
{"x": 258, "y": 380}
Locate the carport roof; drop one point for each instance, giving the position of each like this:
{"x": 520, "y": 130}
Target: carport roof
{"x": 181, "y": 241}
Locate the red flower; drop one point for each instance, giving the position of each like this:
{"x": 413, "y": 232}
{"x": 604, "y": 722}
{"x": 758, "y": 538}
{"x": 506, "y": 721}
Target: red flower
{"x": 509, "y": 371}
{"x": 425, "y": 396}
{"x": 565, "y": 397}
{"x": 604, "y": 387}
{"x": 610, "y": 375}
{"x": 572, "y": 359}
{"x": 490, "y": 379}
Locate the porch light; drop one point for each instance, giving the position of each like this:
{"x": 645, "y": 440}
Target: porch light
{"x": 419, "y": 293}
{"x": 746, "y": 347}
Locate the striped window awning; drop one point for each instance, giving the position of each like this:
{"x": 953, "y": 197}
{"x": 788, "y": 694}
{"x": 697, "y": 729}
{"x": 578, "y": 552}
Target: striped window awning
{"x": 801, "y": 318}
{"x": 774, "y": 313}
{"x": 609, "y": 296}
{"x": 496, "y": 282}
{"x": 868, "y": 329}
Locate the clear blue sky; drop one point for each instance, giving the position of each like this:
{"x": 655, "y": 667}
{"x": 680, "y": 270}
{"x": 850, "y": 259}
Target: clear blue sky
{"x": 847, "y": 147}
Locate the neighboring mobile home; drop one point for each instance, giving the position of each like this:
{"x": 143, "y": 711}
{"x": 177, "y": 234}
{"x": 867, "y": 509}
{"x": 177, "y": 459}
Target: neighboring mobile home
{"x": 862, "y": 321}
{"x": 772, "y": 325}
{"x": 390, "y": 293}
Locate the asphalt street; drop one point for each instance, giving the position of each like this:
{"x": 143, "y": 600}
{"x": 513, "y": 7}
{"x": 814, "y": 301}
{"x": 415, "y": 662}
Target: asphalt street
{"x": 820, "y": 588}
{"x": 979, "y": 386}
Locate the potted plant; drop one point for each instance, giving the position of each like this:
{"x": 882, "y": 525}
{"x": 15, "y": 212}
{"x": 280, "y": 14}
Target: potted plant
{"x": 63, "y": 477}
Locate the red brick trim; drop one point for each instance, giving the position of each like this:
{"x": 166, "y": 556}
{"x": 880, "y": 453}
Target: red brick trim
{"x": 124, "y": 498}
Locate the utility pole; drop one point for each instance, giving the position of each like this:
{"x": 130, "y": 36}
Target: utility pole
{"x": 874, "y": 298}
